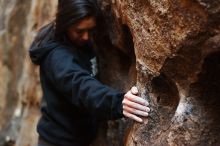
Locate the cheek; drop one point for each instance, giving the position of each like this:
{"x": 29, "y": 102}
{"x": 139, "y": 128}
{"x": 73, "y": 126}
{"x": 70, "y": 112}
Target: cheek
{"x": 72, "y": 35}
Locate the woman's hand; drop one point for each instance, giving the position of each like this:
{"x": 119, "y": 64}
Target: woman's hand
{"x": 135, "y": 106}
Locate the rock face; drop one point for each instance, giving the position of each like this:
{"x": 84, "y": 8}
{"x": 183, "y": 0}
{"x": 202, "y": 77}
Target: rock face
{"x": 176, "y": 51}
{"x": 170, "y": 49}
{"x": 19, "y": 83}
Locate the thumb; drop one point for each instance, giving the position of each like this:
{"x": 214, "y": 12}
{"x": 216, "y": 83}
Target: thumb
{"x": 134, "y": 90}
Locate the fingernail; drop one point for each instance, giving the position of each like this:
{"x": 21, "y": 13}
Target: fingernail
{"x": 146, "y": 103}
{"x": 140, "y": 120}
{"x": 148, "y": 109}
{"x": 146, "y": 114}
{"x": 134, "y": 89}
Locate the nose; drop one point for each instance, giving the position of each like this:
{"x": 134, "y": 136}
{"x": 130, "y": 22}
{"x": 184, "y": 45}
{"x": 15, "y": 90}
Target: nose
{"x": 85, "y": 36}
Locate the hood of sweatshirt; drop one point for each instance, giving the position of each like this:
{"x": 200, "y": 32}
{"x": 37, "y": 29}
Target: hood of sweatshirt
{"x": 43, "y": 44}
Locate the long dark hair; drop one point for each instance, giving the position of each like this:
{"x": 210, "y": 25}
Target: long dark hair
{"x": 70, "y": 12}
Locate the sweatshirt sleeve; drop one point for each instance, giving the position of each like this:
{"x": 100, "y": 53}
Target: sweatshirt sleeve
{"x": 82, "y": 90}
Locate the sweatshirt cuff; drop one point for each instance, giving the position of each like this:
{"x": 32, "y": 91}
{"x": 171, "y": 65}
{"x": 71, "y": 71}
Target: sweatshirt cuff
{"x": 118, "y": 111}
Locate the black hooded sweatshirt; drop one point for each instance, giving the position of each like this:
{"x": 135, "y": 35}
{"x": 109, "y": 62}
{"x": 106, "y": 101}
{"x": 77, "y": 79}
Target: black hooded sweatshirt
{"x": 73, "y": 100}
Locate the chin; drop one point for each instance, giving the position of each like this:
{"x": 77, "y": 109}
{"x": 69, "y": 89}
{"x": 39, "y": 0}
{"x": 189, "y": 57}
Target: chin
{"x": 82, "y": 44}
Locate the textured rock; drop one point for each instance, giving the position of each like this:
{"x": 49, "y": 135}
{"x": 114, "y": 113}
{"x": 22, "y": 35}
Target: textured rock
{"x": 177, "y": 51}
{"x": 20, "y": 92}
{"x": 170, "y": 49}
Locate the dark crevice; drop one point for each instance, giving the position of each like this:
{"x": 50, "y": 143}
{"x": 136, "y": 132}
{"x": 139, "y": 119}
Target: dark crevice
{"x": 207, "y": 93}
{"x": 164, "y": 103}
{"x": 117, "y": 61}
{"x": 166, "y": 90}
{"x": 117, "y": 65}
{"x": 128, "y": 42}
{"x": 207, "y": 89}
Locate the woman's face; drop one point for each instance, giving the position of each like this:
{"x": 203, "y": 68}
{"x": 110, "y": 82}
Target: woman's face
{"x": 80, "y": 32}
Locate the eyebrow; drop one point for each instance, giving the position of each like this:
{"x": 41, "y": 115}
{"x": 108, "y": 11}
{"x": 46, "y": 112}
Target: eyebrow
{"x": 86, "y": 28}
